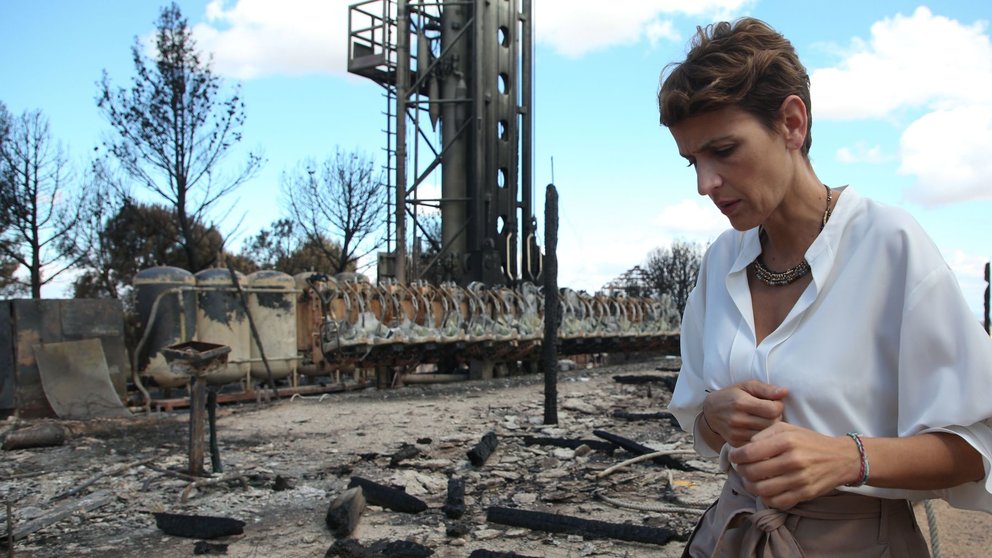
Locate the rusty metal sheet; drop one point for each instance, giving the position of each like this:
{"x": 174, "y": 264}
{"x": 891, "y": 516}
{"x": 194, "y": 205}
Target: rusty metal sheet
{"x": 76, "y": 380}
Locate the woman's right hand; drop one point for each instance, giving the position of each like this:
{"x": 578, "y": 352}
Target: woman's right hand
{"x": 738, "y": 412}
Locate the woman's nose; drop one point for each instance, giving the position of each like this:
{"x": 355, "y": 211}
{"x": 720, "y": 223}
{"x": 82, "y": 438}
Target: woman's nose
{"x": 707, "y": 179}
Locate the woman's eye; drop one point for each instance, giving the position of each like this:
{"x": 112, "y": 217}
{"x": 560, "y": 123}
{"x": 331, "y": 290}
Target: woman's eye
{"x": 723, "y": 151}
{"x": 691, "y": 163}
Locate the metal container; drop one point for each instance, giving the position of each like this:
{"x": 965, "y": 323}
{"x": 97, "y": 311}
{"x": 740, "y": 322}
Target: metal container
{"x": 221, "y": 319}
{"x": 166, "y": 307}
{"x": 272, "y": 302}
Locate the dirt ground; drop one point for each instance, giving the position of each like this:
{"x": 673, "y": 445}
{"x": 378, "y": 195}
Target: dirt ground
{"x": 285, "y": 461}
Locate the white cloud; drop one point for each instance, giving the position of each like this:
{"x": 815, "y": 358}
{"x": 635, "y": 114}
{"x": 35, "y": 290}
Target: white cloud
{"x": 658, "y": 31}
{"x": 948, "y": 152}
{"x": 861, "y": 152}
{"x": 970, "y": 272}
{"x": 599, "y": 252}
{"x": 693, "y": 220}
{"x": 931, "y": 68}
{"x": 919, "y": 61}
{"x": 257, "y": 38}
{"x": 576, "y": 27}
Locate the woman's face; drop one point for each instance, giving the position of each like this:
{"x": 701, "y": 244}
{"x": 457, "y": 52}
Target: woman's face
{"x": 744, "y": 167}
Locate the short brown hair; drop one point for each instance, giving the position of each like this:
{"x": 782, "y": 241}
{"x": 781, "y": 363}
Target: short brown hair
{"x": 746, "y": 64}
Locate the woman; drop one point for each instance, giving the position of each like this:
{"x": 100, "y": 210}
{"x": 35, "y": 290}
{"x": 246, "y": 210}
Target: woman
{"x": 829, "y": 357}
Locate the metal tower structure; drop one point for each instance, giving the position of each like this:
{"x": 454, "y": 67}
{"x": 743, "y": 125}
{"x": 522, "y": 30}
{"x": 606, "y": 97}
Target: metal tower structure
{"x": 458, "y": 83}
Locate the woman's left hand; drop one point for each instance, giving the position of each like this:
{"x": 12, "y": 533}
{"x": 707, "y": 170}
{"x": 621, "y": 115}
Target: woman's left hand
{"x": 786, "y": 464}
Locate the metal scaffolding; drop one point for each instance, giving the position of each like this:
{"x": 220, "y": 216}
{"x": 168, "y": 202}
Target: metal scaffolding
{"x": 458, "y": 83}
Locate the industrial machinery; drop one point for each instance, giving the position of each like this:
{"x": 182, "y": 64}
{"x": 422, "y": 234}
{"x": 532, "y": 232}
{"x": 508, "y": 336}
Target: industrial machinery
{"x": 324, "y": 325}
{"x": 457, "y": 77}
{"x": 459, "y": 93}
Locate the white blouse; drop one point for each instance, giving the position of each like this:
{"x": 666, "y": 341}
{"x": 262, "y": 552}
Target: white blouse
{"x": 881, "y": 342}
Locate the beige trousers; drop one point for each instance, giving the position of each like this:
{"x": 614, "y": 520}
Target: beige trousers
{"x": 837, "y": 524}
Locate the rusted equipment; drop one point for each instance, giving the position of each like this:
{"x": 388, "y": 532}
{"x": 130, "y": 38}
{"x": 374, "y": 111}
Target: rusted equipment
{"x": 77, "y": 380}
{"x": 395, "y": 334}
{"x": 26, "y": 323}
{"x": 196, "y": 359}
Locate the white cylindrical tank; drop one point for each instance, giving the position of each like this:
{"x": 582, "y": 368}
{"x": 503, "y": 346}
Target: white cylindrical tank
{"x": 221, "y": 319}
{"x": 272, "y": 302}
{"x": 169, "y": 291}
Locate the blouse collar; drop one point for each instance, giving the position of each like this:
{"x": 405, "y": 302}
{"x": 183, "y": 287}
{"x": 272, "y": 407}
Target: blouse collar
{"x": 821, "y": 253}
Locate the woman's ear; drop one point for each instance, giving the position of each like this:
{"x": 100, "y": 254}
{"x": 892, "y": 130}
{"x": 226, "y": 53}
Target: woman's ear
{"x": 793, "y": 121}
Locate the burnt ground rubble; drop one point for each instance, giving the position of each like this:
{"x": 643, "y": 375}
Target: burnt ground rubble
{"x": 540, "y": 490}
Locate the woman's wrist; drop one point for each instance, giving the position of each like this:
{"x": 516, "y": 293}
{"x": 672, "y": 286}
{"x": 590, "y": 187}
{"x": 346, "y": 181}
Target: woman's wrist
{"x": 707, "y": 423}
{"x": 863, "y": 466}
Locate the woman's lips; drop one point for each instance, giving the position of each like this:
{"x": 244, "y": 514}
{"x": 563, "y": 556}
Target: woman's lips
{"x": 728, "y": 207}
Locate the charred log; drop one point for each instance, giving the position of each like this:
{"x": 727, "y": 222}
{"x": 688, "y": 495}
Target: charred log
{"x": 345, "y": 511}
{"x": 388, "y": 497}
{"x": 638, "y": 449}
{"x": 485, "y": 448}
{"x": 198, "y": 526}
{"x": 405, "y": 452}
{"x": 42, "y": 435}
{"x": 454, "y": 504}
{"x": 590, "y": 528}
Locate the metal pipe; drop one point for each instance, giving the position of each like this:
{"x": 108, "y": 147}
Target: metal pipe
{"x": 402, "y": 79}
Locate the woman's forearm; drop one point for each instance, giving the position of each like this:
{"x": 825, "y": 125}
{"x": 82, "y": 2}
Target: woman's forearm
{"x": 928, "y": 461}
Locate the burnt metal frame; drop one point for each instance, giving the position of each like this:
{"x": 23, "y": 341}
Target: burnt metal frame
{"x": 483, "y": 61}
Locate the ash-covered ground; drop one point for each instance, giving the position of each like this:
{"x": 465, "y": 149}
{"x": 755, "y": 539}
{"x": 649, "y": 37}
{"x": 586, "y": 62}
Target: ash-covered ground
{"x": 285, "y": 461}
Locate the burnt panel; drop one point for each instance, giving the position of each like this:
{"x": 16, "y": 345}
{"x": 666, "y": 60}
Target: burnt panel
{"x": 8, "y": 384}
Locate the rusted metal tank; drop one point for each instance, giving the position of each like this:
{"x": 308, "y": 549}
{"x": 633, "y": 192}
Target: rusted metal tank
{"x": 272, "y": 302}
{"x": 221, "y": 319}
{"x": 166, "y": 307}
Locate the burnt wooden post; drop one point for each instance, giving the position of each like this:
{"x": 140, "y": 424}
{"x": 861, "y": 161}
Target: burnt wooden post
{"x": 552, "y": 309}
{"x": 197, "y": 416}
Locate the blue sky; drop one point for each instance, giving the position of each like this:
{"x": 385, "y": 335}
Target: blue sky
{"x": 902, "y": 106}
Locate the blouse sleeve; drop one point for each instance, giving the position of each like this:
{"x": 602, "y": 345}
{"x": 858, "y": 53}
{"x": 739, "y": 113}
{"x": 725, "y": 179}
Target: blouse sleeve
{"x": 945, "y": 376}
{"x": 690, "y": 389}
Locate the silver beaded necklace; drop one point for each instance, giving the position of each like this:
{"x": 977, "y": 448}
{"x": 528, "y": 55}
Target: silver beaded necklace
{"x": 794, "y": 273}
